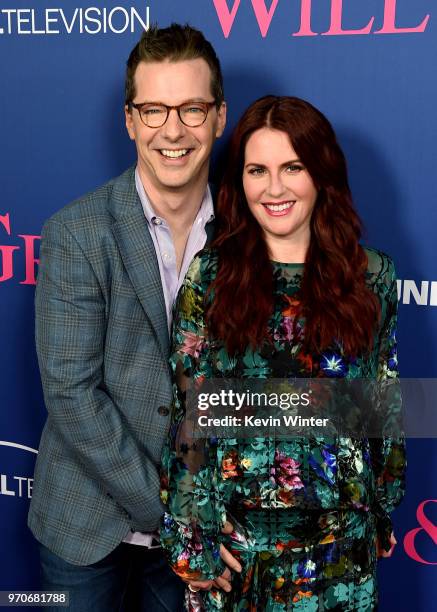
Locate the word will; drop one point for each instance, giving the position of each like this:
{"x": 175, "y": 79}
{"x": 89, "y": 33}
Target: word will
{"x": 264, "y": 18}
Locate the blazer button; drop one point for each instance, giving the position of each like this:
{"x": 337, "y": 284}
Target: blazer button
{"x": 163, "y": 411}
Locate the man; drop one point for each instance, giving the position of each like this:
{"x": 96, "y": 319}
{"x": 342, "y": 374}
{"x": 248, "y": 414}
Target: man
{"x": 111, "y": 265}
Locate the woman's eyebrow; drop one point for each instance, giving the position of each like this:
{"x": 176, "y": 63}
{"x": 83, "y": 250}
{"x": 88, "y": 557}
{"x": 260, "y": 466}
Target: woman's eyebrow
{"x": 254, "y": 164}
{"x": 292, "y": 161}
{"x": 287, "y": 163}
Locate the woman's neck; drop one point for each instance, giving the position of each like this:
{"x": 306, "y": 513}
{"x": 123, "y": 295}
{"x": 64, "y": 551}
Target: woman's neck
{"x": 286, "y": 250}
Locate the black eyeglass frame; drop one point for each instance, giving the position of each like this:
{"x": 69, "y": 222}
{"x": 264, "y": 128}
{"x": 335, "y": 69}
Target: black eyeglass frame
{"x": 138, "y": 105}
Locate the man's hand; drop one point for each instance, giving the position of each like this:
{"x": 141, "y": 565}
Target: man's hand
{"x": 380, "y": 552}
{"x": 223, "y": 581}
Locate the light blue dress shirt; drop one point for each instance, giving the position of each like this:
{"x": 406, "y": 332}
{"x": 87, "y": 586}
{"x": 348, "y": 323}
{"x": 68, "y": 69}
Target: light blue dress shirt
{"x": 164, "y": 246}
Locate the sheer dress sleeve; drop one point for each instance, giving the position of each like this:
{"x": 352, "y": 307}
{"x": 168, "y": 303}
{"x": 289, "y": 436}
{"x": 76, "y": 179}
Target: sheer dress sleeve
{"x": 191, "y": 527}
{"x": 388, "y": 453}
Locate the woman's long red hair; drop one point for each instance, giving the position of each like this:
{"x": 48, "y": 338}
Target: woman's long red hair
{"x": 334, "y": 298}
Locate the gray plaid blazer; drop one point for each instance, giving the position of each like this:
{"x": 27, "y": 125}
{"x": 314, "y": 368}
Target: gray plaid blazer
{"x": 103, "y": 347}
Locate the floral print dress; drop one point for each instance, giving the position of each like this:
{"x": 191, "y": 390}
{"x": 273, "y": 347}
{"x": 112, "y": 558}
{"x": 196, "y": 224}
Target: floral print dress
{"x": 306, "y": 511}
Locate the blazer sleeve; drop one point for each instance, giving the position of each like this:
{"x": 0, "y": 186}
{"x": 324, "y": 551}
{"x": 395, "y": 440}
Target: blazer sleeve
{"x": 70, "y": 339}
{"x": 190, "y": 532}
{"x": 388, "y": 453}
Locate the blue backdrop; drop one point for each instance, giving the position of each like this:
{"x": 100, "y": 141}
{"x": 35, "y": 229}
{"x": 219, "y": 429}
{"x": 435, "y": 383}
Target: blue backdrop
{"x": 369, "y": 65}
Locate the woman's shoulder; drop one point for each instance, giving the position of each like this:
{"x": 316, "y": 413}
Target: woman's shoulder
{"x": 381, "y": 275}
{"x": 379, "y": 265}
{"x": 203, "y": 268}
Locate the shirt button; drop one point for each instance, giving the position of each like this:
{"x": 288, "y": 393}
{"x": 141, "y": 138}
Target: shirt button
{"x": 163, "y": 411}
{"x": 157, "y": 221}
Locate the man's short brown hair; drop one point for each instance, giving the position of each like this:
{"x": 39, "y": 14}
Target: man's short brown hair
{"x": 175, "y": 44}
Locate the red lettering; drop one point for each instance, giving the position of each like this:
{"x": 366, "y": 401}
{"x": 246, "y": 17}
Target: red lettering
{"x": 29, "y": 253}
{"x": 336, "y": 18}
{"x": 264, "y": 18}
{"x": 389, "y": 26}
{"x": 227, "y": 17}
{"x": 305, "y": 20}
{"x": 425, "y": 525}
{"x": 7, "y": 253}
{"x": 4, "y": 220}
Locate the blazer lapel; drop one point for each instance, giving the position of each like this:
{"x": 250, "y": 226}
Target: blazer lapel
{"x": 210, "y": 232}
{"x": 210, "y": 226}
{"x": 138, "y": 253}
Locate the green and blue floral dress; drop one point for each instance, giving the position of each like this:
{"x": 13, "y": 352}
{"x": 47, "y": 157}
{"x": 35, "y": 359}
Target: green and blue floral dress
{"x": 306, "y": 511}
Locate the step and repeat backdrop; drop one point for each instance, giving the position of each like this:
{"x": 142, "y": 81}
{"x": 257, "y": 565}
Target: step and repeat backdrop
{"x": 369, "y": 65}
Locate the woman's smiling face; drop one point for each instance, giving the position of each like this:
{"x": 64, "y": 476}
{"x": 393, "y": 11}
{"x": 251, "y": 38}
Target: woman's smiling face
{"x": 279, "y": 190}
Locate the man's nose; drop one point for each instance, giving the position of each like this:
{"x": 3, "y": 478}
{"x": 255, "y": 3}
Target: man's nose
{"x": 173, "y": 128}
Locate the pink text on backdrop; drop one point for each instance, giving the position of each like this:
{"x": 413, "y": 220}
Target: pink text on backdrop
{"x": 425, "y": 525}
{"x": 264, "y": 16}
{"x": 7, "y": 254}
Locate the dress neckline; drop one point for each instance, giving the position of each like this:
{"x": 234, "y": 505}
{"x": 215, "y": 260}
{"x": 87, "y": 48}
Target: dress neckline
{"x": 287, "y": 265}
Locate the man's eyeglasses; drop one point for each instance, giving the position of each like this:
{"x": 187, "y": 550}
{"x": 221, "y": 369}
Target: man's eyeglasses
{"x": 192, "y": 114}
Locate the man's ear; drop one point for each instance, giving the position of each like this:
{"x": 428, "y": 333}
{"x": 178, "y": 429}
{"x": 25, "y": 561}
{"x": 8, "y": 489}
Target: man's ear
{"x": 129, "y": 122}
{"x": 221, "y": 120}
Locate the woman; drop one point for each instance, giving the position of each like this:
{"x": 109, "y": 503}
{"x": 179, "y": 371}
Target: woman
{"x": 285, "y": 291}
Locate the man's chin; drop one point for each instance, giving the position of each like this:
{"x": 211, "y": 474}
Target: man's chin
{"x": 178, "y": 180}
{"x": 179, "y": 184}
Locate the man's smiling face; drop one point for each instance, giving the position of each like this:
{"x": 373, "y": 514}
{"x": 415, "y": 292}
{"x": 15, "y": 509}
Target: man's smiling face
{"x": 174, "y": 157}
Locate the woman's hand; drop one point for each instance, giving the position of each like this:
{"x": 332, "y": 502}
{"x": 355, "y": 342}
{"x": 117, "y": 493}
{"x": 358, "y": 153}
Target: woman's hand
{"x": 380, "y": 552}
{"x": 223, "y": 581}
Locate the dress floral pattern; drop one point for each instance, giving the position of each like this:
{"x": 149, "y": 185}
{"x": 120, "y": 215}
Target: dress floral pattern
{"x": 305, "y": 511}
